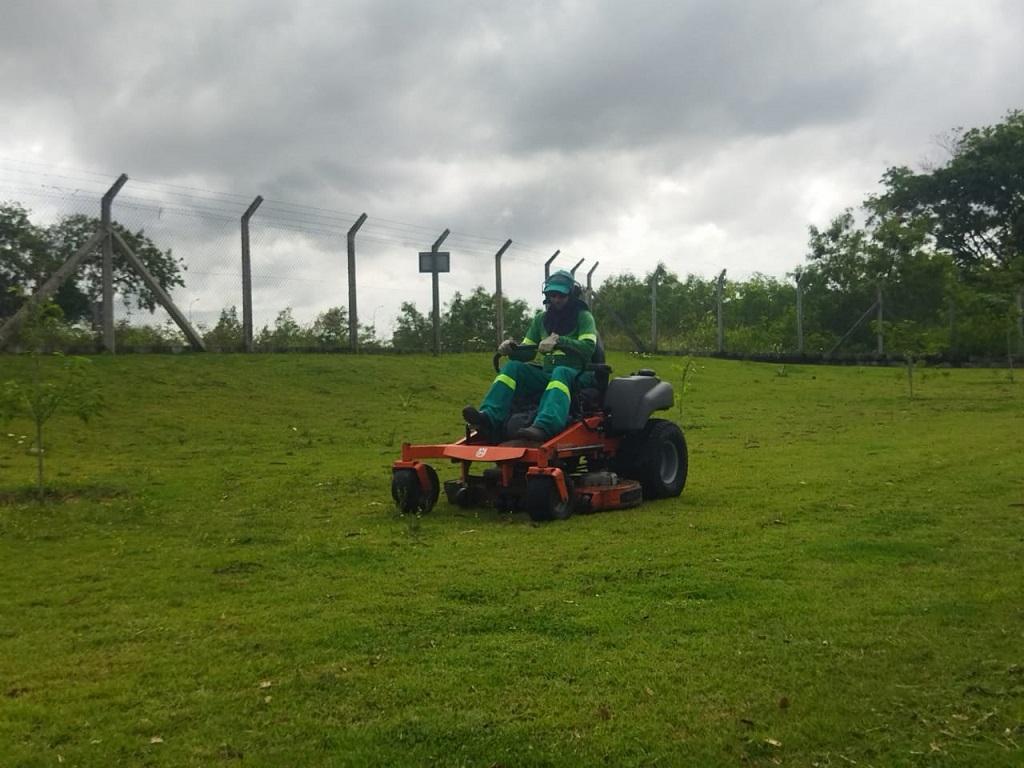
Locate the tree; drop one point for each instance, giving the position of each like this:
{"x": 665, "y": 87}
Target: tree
{"x": 72, "y": 232}
{"x": 21, "y": 242}
{"x": 54, "y": 383}
{"x": 330, "y": 328}
{"x": 413, "y": 331}
{"x": 973, "y": 205}
{"x": 32, "y": 253}
{"x": 285, "y": 335}
{"x": 470, "y": 324}
{"x": 226, "y": 335}
{"x": 467, "y": 324}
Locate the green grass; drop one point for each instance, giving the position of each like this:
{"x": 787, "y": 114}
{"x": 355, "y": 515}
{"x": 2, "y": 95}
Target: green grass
{"x": 219, "y": 578}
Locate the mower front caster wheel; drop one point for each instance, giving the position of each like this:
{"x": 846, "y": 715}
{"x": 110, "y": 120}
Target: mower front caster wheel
{"x": 409, "y": 496}
{"x": 544, "y": 502}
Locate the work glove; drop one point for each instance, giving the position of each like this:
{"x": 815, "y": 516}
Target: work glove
{"x": 547, "y": 344}
{"x": 506, "y": 347}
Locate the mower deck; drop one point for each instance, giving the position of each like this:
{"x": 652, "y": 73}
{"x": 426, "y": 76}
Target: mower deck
{"x": 520, "y": 466}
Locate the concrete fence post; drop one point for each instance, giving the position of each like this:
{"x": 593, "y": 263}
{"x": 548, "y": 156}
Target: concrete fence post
{"x": 1020, "y": 320}
{"x": 353, "y": 314}
{"x": 799, "y": 312}
{"x": 247, "y": 276}
{"x": 547, "y": 264}
{"x": 881, "y": 319}
{"x": 654, "y": 311}
{"x": 590, "y": 289}
{"x": 721, "y": 321}
{"x": 436, "y": 294}
{"x": 106, "y": 219}
{"x": 499, "y": 305}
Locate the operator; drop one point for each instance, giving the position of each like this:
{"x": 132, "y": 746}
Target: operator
{"x": 566, "y": 337}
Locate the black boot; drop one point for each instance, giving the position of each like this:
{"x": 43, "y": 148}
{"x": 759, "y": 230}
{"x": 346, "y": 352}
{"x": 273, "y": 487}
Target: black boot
{"x": 534, "y": 434}
{"x": 476, "y": 419}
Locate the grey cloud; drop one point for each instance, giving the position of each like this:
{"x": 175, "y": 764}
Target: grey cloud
{"x": 544, "y": 122}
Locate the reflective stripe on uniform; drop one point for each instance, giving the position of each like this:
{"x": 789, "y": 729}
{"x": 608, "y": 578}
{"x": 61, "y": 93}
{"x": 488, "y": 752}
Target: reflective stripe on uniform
{"x": 528, "y": 342}
{"x": 508, "y": 381}
{"x": 560, "y": 385}
{"x": 588, "y": 337}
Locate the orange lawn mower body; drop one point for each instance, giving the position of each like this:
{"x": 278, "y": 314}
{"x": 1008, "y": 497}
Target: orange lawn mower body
{"x": 611, "y": 455}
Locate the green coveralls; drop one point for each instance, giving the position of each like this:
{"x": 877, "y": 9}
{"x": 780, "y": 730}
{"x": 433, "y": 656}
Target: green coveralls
{"x": 555, "y": 379}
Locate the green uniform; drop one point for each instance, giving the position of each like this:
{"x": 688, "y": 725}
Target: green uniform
{"x": 553, "y": 380}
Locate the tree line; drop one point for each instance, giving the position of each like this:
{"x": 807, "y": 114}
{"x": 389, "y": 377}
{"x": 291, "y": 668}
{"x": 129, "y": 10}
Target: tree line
{"x": 943, "y": 247}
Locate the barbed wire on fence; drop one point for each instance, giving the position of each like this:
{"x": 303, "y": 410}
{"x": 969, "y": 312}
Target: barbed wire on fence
{"x": 300, "y": 247}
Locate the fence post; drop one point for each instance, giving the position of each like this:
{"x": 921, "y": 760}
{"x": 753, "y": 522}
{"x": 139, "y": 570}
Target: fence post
{"x": 436, "y": 294}
{"x": 108, "y": 262}
{"x": 654, "y": 311}
{"x": 799, "y": 312}
{"x": 952, "y": 327}
{"x": 353, "y": 315}
{"x": 721, "y": 325}
{"x": 247, "y": 276}
{"x": 573, "y": 270}
{"x": 881, "y": 317}
{"x": 590, "y": 290}
{"x": 499, "y": 306}
{"x": 1020, "y": 320}
{"x": 547, "y": 264}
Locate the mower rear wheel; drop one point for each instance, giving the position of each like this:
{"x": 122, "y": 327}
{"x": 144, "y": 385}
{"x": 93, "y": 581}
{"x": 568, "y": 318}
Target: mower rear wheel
{"x": 544, "y": 502}
{"x": 409, "y": 496}
{"x": 662, "y": 460}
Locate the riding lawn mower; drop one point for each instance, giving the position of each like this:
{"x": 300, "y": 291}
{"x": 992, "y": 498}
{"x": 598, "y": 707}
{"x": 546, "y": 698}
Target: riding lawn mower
{"x": 611, "y": 455}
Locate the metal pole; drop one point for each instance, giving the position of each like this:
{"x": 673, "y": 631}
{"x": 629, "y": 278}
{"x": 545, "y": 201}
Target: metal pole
{"x": 1020, "y": 319}
{"x": 573, "y": 270}
{"x": 721, "y": 324}
{"x": 499, "y": 306}
{"x": 799, "y": 313}
{"x": 881, "y": 334}
{"x": 952, "y": 327}
{"x": 353, "y": 315}
{"x": 590, "y": 291}
{"x": 654, "y": 311}
{"x": 547, "y": 264}
{"x": 247, "y": 276}
{"x": 108, "y": 262}
{"x": 437, "y": 300}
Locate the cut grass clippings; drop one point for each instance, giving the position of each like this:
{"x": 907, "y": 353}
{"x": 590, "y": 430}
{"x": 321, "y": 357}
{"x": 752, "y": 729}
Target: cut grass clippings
{"x": 218, "y": 577}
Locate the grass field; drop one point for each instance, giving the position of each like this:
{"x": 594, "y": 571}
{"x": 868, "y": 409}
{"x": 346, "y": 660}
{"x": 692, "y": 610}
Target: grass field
{"x": 221, "y": 578}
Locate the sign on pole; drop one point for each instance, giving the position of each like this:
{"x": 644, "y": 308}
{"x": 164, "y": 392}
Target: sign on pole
{"x": 439, "y": 261}
{"x": 434, "y": 262}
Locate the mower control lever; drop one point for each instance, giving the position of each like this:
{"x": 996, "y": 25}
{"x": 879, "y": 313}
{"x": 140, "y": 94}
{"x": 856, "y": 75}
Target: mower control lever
{"x": 517, "y": 347}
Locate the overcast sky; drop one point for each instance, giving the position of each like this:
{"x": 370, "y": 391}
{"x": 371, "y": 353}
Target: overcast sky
{"x": 704, "y": 134}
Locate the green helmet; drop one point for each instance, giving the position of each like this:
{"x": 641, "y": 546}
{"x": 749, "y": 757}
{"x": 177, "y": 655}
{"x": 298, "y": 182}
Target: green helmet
{"x": 561, "y": 281}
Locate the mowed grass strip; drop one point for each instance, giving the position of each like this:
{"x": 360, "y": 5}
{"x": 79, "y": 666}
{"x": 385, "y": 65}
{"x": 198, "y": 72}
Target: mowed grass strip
{"x": 220, "y": 578}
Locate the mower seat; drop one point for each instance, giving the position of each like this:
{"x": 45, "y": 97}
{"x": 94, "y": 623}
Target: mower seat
{"x": 591, "y": 399}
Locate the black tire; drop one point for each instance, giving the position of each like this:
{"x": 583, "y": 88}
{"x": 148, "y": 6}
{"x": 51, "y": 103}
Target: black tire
{"x": 544, "y": 502}
{"x": 406, "y": 491}
{"x": 657, "y": 458}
